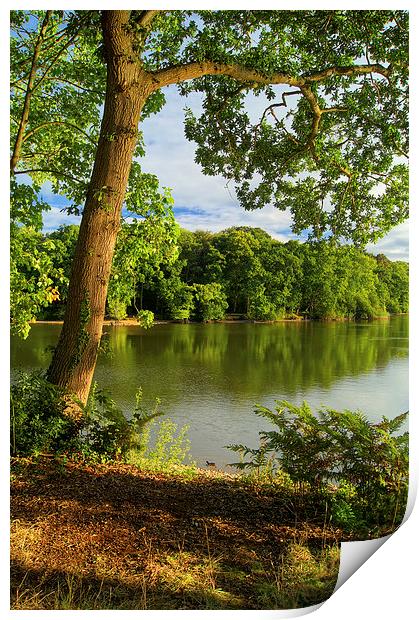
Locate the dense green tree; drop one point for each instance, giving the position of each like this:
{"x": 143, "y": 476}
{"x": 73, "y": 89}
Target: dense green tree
{"x": 340, "y": 281}
{"x": 210, "y": 301}
{"x": 154, "y": 257}
{"x": 176, "y": 298}
{"x": 34, "y": 275}
{"x": 282, "y": 277}
{"x": 319, "y": 286}
{"x": 64, "y": 239}
{"x": 330, "y": 158}
{"x": 393, "y": 280}
{"x": 358, "y": 294}
{"x": 243, "y": 270}
{"x": 143, "y": 246}
{"x": 203, "y": 262}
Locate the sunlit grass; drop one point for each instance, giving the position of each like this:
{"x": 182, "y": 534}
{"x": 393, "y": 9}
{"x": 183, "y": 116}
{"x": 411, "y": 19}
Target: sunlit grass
{"x": 179, "y": 580}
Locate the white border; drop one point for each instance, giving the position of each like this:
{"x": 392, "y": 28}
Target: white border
{"x": 385, "y": 586}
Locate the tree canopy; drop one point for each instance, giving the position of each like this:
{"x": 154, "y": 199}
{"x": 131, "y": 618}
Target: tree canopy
{"x": 240, "y": 271}
{"x": 330, "y": 143}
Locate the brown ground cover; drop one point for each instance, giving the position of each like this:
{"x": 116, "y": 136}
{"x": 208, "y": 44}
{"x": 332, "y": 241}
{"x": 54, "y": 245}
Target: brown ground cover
{"x": 115, "y": 537}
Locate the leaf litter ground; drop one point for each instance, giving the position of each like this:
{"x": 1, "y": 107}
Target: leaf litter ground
{"x": 116, "y": 537}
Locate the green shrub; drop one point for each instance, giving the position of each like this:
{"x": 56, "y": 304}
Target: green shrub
{"x": 362, "y": 467}
{"x": 107, "y": 434}
{"x": 170, "y": 450}
{"x": 261, "y": 308}
{"x": 38, "y": 423}
{"x": 117, "y": 309}
{"x": 145, "y": 318}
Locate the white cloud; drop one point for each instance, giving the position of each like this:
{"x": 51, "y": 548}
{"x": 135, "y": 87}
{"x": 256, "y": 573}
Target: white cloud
{"x": 55, "y": 217}
{"x": 201, "y": 202}
{"x": 395, "y": 245}
{"x": 204, "y": 202}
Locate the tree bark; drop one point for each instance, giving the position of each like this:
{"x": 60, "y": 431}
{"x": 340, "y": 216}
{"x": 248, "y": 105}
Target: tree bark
{"x": 128, "y": 87}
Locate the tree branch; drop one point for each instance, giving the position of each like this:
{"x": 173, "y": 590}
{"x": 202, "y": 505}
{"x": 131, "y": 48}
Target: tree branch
{"x": 317, "y": 114}
{"x": 66, "y": 45}
{"x": 57, "y": 173}
{"x": 29, "y": 90}
{"x": 319, "y": 76}
{"x": 35, "y": 129}
{"x": 146, "y": 17}
{"x": 52, "y": 78}
{"x": 192, "y": 70}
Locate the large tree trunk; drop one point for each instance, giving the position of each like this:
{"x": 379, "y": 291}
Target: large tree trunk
{"x": 128, "y": 87}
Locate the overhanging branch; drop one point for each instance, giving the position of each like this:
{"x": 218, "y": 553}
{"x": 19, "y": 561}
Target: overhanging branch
{"x": 56, "y": 173}
{"x": 192, "y": 70}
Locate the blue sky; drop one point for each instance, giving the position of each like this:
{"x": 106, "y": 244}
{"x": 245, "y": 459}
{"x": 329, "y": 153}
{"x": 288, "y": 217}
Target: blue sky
{"x": 203, "y": 202}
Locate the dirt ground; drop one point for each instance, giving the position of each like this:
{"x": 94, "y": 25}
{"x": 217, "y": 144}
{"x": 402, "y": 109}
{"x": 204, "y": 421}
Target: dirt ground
{"x": 126, "y": 538}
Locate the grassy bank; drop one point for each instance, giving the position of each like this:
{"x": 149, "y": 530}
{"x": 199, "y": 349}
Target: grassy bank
{"x": 116, "y": 537}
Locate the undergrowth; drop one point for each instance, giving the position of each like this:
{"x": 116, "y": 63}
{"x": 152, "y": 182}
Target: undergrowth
{"x": 104, "y": 434}
{"x": 358, "y": 469}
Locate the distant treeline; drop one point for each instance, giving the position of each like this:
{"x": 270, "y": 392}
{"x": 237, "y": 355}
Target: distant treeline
{"x": 178, "y": 274}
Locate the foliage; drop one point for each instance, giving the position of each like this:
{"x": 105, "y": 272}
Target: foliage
{"x": 35, "y": 279}
{"x": 260, "y": 307}
{"x": 117, "y": 309}
{"x": 176, "y": 297}
{"x": 58, "y": 138}
{"x": 145, "y": 318}
{"x": 38, "y": 422}
{"x": 330, "y": 141}
{"x": 170, "y": 450}
{"x": 367, "y": 461}
{"x": 394, "y": 283}
{"x": 210, "y": 301}
{"x": 107, "y": 434}
{"x": 144, "y": 244}
{"x": 171, "y": 272}
{"x": 243, "y": 269}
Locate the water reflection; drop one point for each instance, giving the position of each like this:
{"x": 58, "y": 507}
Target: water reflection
{"x": 210, "y": 376}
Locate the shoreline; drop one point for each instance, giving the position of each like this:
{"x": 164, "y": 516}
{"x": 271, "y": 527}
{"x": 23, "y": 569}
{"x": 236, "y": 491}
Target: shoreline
{"x": 132, "y": 322}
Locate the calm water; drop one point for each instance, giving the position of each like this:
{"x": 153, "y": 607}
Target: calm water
{"x": 210, "y": 376}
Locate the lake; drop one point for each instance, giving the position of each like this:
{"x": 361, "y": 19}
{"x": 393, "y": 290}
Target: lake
{"x": 210, "y": 376}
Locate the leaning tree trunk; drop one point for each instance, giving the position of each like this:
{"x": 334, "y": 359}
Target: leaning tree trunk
{"x": 74, "y": 360}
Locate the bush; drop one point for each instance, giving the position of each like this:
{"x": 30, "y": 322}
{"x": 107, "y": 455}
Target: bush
{"x": 107, "y": 434}
{"x": 38, "y": 423}
{"x": 261, "y": 308}
{"x": 210, "y": 301}
{"x": 170, "y": 451}
{"x": 145, "y": 318}
{"x": 117, "y": 309}
{"x": 365, "y": 465}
